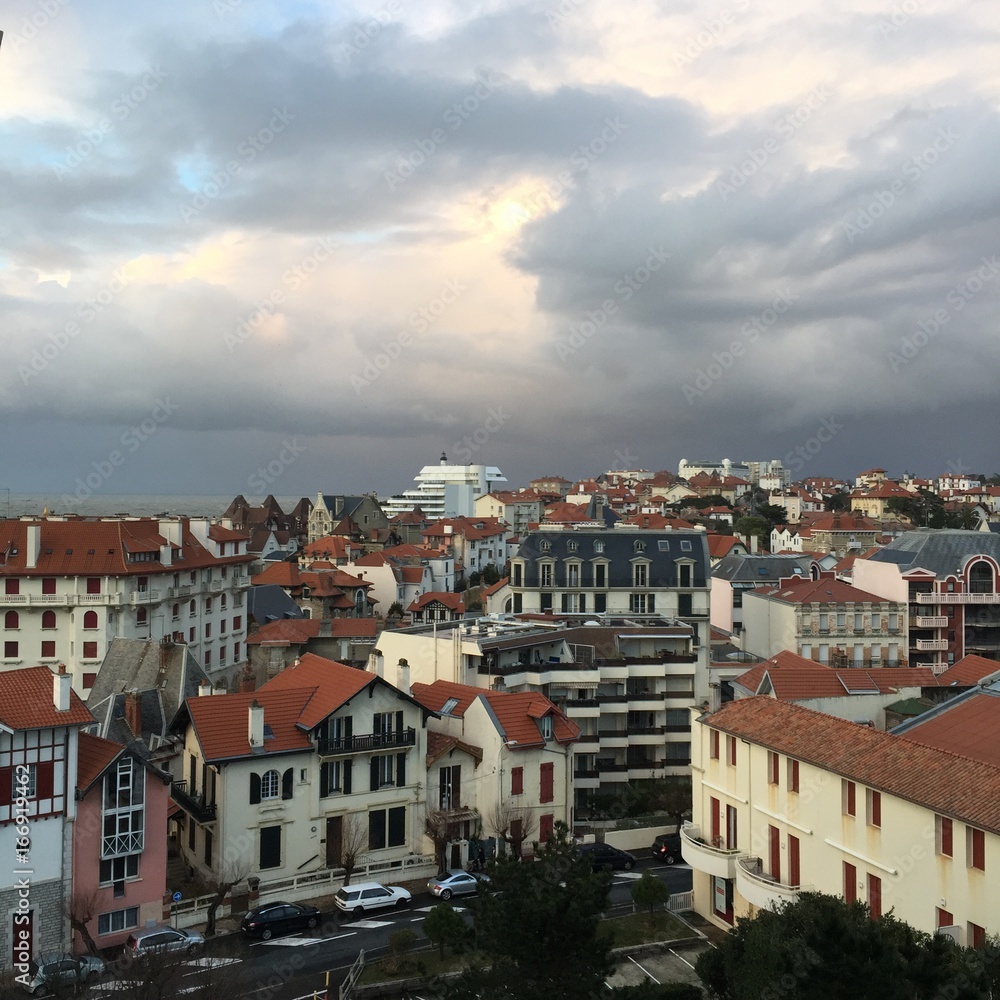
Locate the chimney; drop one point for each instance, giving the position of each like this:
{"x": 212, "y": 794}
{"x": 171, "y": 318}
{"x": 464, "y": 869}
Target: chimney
{"x": 204, "y": 689}
{"x": 62, "y": 684}
{"x": 255, "y": 725}
{"x": 33, "y": 545}
{"x": 403, "y": 682}
{"x": 133, "y": 711}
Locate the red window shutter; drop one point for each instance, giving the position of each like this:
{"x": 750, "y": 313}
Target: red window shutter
{"x": 90, "y": 650}
{"x": 977, "y": 936}
{"x": 48, "y": 585}
{"x": 11, "y": 586}
{"x": 731, "y": 744}
{"x": 793, "y": 783}
{"x": 716, "y": 819}
{"x": 714, "y": 744}
{"x": 44, "y": 777}
{"x": 546, "y": 826}
{"x": 48, "y": 648}
{"x": 944, "y": 918}
{"x": 979, "y": 850}
{"x": 517, "y": 781}
{"x": 93, "y": 584}
{"x": 850, "y": 883}
{"x": 875, "y": 895}
{"x": 876, "y": 809}
{"x": 774, "y": 838}
{"x": 6, "y": 785}
{"x": 946, "y": 837}
{"x": 852, "y": 808}
{"x": 794, "y": 876}
{"x": 547, "y": 780}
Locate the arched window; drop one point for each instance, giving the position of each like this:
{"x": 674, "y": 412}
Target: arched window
{"x": 90, "y": 620}
{"x": 981, "y": 578}
{"x": 638, "y": 546}
{"x": 48, "y": 619}
{"x": 270, "y": 785}
{"x": 11, "y": 620}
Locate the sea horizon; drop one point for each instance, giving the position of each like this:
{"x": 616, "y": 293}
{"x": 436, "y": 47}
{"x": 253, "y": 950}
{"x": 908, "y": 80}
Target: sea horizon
{"x": 14, "y": 505}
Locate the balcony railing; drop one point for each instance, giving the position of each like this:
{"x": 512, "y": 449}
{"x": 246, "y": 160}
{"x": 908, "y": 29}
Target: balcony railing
{"x": 930, "y": 621}
{"x": 931, "y": 645}
{"x": 704, "y": 857}
{"x": 372, "y": 741}
{"x": 145, "y": 597}
{"x": 944, "y": 598}
{"x": 759, "y": 888}
{"x": 120, "y": 844}
{"x": 202, "y": 811}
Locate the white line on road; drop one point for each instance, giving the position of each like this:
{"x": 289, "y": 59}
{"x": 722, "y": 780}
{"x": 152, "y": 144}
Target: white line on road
{"x": 210, "y": 962}
{"x": 416, "y": 920}
{"x": 648, "y": 973}
{"x": 682, "y": 958}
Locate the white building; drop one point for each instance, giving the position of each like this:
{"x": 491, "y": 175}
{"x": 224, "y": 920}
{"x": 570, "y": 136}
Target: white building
{"x": 445, "y": 490}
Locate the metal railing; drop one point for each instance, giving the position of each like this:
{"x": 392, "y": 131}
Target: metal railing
{"x": 371, "y": 741}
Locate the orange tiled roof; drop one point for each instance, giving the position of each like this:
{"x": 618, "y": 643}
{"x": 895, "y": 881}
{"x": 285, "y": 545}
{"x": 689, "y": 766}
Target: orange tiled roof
{"x": 26, "y": 701}
{"x": 94, "y": 755}
{"x": 825, "y": 590}
{"x": 948, "y": 783}
{"x": 453, "y": 602}
{"x": 332, "y": 685}
{"x": 966, "y": 725}
{"x": 968, "y": 671}
{"x": 438, "y": 744}
{"x": 291, "y": 631}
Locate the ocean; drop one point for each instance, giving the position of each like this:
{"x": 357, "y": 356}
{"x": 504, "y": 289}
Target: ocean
{"x": 136, "y": 504}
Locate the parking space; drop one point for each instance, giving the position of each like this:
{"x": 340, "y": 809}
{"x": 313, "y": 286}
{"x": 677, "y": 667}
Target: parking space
{"x": 673, "y": 965}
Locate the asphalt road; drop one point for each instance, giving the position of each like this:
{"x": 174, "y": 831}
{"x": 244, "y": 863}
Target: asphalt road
{"x": 295, "y": 967}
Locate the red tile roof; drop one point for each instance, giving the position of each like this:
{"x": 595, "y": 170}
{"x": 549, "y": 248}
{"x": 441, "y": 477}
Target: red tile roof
{"x": 950, "y": 784}
{"x": 26, "y": 701}
{"x": 499, "y": 585}
{"x": 331, "y": 683}
{"x": 515, "y": 712}
{"x": 564, "y": 513}
{"x": 967, "y": 726}
{"x": 720, "y": 545}
{"x": 968, "y": 671}
{"x": 94, "y": 755}
{"x": 293, "y": 631}
{"x": 825, "y": 590}
{"x": 453, "y": 602}
{"x": 438, "y": 744}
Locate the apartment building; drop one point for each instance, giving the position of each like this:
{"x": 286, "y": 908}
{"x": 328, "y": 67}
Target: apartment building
{"x": 787, "y": 799}
{"x": 826, "y": 620}
{"x": 948, "y": 581}
{"x": 70, "y": 585}
{"x": 738, "y": 574}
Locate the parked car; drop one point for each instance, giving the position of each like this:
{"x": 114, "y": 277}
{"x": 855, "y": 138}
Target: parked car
{"x": 279, "y": 918}
{"x": 456, "y": 883}
{"x": 367, "y": 896}
{"x": 606, "y": 856}
{"x": 667, "y": 848}
{"x": 53, "y": 972}
{"x": 163, "y": 941}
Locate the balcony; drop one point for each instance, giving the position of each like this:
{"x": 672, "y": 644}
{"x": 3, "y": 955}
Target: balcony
{"x": 366, "y": 744}
{"x": 929, "y": 621}
{"x": 145, "y": 597}
{"x": 183, "y": 591}
{"x": 717, "y": 861}
{"x": 194, "y": 805}
{"x": 760, "y": 889}
{"x": 644, "y": 701}
{"x": 931, "y": 645}
{"x": 943, "y": 598}
{"x": 120, "y": 844}
{"x": 216, "y": 586}
{"x": 611, "y": 738}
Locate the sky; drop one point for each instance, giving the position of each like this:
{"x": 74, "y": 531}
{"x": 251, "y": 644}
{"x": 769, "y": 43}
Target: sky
{"x": 299, "y": 246}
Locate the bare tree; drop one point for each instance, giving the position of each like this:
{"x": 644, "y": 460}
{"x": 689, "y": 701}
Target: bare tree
{"x": 513, "y": 824}
{"x": 440, "y": 828}
{"x": 230, "y": 874}
{"x": 81, "y": 910}
{"x": 354, "y": 841}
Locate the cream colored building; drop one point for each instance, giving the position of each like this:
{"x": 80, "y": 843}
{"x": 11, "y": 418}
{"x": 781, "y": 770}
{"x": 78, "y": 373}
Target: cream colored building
{"x": 787, "y": 799}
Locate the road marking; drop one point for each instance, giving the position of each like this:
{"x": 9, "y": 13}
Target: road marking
{"x": 289, "y": 942}
{"x": 416, "y": 920}
{"x": 681, "y": 957}
{"x": 427, "y": 909}
{"x": 648, "y": 973}
{"x": 628, "y": 876}
{"x": 369, "y": 925}
{"x": 210, "y": 962}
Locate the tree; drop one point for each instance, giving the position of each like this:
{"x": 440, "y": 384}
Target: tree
{"x": 839, "y": 501}
{"x": 650, "y": 892}
{"x": 395, "y": 610}
{"x": 751, "y": 526}
{"x": 821, "y": 946}
{"x": 353, "y": 841}
{"x": 513, "y": 825}
{"x": 538, "y": 932}
{"x": 231, "y": 873}
{"x": 81, "y": 910}
{"x": 439, "y": 827}
{"x": 445, "y": 927}
{"x": 670, "y": 794}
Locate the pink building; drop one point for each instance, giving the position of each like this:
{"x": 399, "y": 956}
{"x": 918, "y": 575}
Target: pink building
{"x": 119, "y": 841}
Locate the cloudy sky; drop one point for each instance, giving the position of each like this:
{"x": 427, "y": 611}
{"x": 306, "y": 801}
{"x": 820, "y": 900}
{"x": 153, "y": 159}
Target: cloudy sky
{"x": 303, "y": 245}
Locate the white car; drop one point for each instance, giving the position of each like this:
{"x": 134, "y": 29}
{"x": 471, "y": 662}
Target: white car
{"x": 365, "y": 897}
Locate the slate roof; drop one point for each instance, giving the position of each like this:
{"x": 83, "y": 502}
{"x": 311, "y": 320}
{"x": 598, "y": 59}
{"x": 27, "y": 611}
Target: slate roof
{"x": 26, "y": 701}
{"x": 268, "y": 602}
{"x": 295, "y": 631}
{"x": 946, "y": 782}
{"x": 940, "y": 551}
{"x": 739, "y": 568}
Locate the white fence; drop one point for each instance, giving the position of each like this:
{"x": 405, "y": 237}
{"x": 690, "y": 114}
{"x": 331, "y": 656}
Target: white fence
{"x": 681, "y": 901}
{"x": 194, "y": 911}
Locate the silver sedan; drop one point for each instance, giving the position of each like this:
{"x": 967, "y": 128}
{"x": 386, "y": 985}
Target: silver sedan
{"x": 455, "y": 883}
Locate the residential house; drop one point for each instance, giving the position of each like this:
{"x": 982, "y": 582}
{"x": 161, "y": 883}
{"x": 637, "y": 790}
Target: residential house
{"x": 71, "y": 585}
{"x": 325, "y": 591}
{"x": 324, "y": 757}
{"x": 948, "y": 580}
{"x": 786, "y": 799}
{"x": 335, "y": 550}
{"x": 475, "y": 543}
{"x": 402, "y": 573}
{"x": 436, "y": 607}
{"x": 359, "y": 517}
{"x": 40, "y": 721}
{"x": 738, "y": 573}
{"x": 826, "y": 620}
{"x": 873, "y": 501}
{"x": 278, "y": 644}
{"x": 516, "y": 509}
{"x": 555, "y": 486}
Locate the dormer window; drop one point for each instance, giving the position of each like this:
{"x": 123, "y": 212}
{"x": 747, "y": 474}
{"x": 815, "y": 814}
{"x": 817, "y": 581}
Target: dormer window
{"x": 449, "y": 706}
{"x": 572, "y": 546}
{"x": 598, "y": 547}
{"x": 639, "y": 546}
{"x": 544, "y": 546}
{"x": 547, "y": 727}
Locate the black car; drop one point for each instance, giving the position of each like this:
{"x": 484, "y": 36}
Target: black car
{"x": 279, "y": 918}
{"x": 606, "y": 856}
{"x": 667, "y": 848}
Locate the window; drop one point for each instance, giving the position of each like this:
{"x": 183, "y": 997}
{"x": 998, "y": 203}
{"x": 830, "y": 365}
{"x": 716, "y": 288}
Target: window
{"x": 546, "y": 726}
{"x": 546, "y": 779}
{"x": 713, "y": 744}
{"x": 774, "y": 852}
{"x": 192, "y": 609}
{"x": 598, "y": 547}
{"x": 975, "y": 848}
{"x": 90, "y": 620}
{"x": 841, "y": 619}
{"x": 48, "y": 649}
{"x": 26, "y": 781}
{"x": 335, "y": 778}
{"x": 236, "y": 651}
{"x": 48, "y": 619}
{"x": 237, "y": 623}
{"x": 208, "y": 605}
{"x": 793, "y": 775}
{"x": 600, "y": 575}
{"x": 975, "y": 936}
{"x": 450, "y": 787}
{"x": 141, "y": 616}
{"x": 545, "y": 575}
{"x": 848, "y": 797}
{"x": 893, "y": 621}
{"x": 222, "y": 656}
{"x": 572, "y": 546}
{"x": 684, "y": 575}
{"x": 517, "y": 781}
{"x": 794, "y": 875}
{"x": 387, "y": 828}
{"x": 11, "y": 586}
{"x": 11, "y": 620}
{"x": 641, "y": 604}
{"x": 93, "y": 584}
{"x": 208, "y": 657}
{"x": 191, "y": 634}
{"x": 118, "y": 920}
{"x": 850, "y": 883}
{"x": 731, "y": 828}
{"x": 270, "y": 785}
{"x": 640, "y": 575}
{"x": 943, "y": 918}
{"x": 772, "y": 767}
{"x": 517, "y": 574}
{"x": 875, "y": 896}
{"x": 10, "y": 650}
{"x": 731, "y": 750}
{"x": 222, "y": 627}
{"x": 873, "y": 807}
{"x": 859, "y": 622}
{"x": 638, "y": 546}
{"x": 118, "y": 869}
{"x": 546, "y": 827}
{"x": 943, "y": 836}
{"x": 270, "y": 847}
{"x": 175, "y": 612}
{"x": 208, "y": 630}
